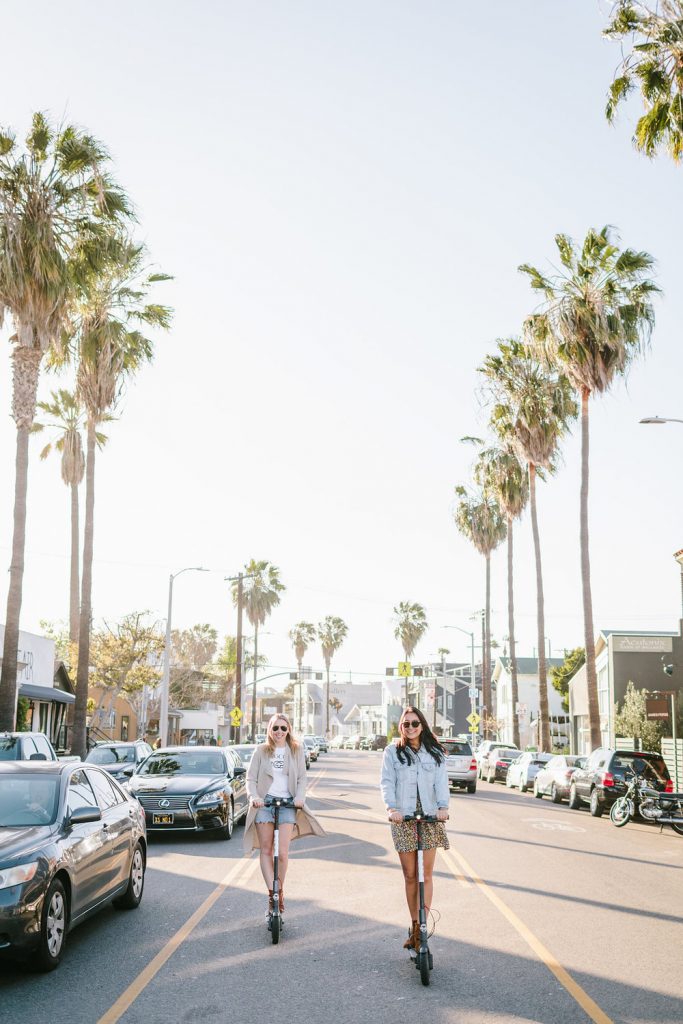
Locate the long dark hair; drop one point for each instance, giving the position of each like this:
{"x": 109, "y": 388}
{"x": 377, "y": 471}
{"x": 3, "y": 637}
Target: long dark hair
{"x": 427, "y": 738}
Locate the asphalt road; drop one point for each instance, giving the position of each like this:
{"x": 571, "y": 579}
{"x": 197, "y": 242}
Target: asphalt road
{"x": 545, "y": 915}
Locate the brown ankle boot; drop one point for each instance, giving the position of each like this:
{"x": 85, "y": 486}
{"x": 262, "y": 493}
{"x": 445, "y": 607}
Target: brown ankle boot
{"x": 281, "y": 900}
{"x": 410, "y": 941}
{"x": 271, "y": 901}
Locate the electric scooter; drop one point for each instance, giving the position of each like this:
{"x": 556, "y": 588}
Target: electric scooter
{"x": 275, "y": 921}
{"x": 424, "y": 960}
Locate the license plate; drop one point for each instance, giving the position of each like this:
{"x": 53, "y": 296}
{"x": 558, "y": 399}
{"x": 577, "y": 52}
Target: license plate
{"x": 162, "y": 819}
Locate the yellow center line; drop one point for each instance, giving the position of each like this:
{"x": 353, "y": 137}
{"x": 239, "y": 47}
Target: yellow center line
{"x": 588, "y": 1005}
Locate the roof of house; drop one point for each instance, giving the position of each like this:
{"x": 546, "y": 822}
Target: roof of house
{"x": 529, "y": 666}
{"x": 639, "y": 632}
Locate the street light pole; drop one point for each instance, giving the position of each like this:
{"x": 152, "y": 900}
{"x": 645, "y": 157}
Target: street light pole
{"x": 473, "y": 681}
{"x": 165, "y": 682}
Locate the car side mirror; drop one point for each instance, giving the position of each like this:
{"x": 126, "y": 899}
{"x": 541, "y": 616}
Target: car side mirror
{"x": 82, "y": 815}
{"x": 239, "y": 770}
{"x": 37, "y": 757}
{"x": 129, "y": 770}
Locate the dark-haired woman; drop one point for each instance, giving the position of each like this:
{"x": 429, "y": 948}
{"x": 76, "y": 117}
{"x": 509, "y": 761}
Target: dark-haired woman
{"x": 415, "y": 781}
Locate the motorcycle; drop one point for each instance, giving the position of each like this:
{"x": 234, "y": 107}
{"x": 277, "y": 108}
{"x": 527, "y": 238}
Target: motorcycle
{"x": 650, "y": 804}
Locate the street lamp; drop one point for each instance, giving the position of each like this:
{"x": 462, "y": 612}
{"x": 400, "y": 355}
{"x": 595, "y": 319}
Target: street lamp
{"x": 473, "y": 681}
{"x": 165, "y": 682}
{"x": 660, "y": 419}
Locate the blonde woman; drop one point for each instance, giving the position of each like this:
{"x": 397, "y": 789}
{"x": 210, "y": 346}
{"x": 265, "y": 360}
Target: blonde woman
{"x": 278, "y": 768}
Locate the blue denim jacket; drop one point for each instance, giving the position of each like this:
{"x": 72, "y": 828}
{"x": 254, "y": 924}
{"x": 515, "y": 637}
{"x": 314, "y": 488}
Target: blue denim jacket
{"x": 401, "y": 783}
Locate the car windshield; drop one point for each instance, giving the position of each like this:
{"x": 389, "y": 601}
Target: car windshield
{"x": 184, "y": 762}
{"x": 309, "y": 742}
{"x": 455, "y": 747}
{"x": 245, "y": 754}
{"x": 9, "y": 748}
{"x": 111, "y": 755}
{"x": 506, "y": 755}
{"x": 28, "y": 800}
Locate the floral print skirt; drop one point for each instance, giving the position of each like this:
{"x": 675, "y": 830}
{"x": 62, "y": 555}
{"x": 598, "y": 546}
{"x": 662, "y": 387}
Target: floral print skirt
{"x": 433, "y": 834}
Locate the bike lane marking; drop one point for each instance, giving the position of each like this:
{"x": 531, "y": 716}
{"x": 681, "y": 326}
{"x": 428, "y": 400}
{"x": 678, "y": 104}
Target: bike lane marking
{"x": 588, "y": 1005}
{"x": 242, "y": 872}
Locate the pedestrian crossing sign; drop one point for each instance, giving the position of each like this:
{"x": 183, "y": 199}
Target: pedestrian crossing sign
{"x": 473, "y": 719}
{"x": 235, "y": 716}
{"x": 404, "y": 668}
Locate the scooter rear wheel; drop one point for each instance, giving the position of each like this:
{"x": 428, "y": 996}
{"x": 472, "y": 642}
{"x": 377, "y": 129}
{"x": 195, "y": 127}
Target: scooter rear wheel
{"x": 423, "y": 965}
{"x": 275, "y": 926}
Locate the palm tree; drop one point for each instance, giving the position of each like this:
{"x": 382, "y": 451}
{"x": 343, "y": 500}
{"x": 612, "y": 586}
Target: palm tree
{"x": 654, "y": 64}
{"x": 410, "y": 625}
{"x": 479, "y": 518}
{"x": 596, "y": 318}
{"x": 262, "y": 588}
{"x": 66, "y": 417}
{"x": 532, "y": 409}
{"x": 57, "y": 205}
{"x": 499, "y": 471}
{"x": 332, "y": 632}
{"x": 302, "y": 636}
{"x": 107, "y": 340}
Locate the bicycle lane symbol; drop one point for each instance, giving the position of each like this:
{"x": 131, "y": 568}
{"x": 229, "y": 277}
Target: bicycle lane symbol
{"x": 549, "y": 825}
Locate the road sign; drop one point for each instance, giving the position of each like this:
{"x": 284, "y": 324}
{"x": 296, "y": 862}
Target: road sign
{"x": 472, "y": 693}
{"x": 404, "y": 668}
{"x": 473, "y": 719}
{"x": 474, "y": 728}
{"x": 235, "y": 716}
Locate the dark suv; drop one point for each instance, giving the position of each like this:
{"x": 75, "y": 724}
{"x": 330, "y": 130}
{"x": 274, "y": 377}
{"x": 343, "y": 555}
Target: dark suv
{"x": 603, "y": 778}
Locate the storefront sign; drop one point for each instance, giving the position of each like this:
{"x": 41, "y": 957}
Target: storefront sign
{"x": 657, "y": 708}
{"x": 642, "y": 644}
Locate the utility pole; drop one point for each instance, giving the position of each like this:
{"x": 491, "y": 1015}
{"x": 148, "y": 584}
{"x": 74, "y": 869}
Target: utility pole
{"x": 239, "y": 654}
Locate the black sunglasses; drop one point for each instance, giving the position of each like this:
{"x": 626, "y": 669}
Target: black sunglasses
{"x": 411, "y": 725}
{"x": 280, "y": 728}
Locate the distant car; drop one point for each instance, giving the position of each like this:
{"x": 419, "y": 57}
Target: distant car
{"x": 26, "y": 746}
{"x": 322, "y": 744}
{"x": 497, "y": 763}
{"x": 524, "y": 770}
{"x": 311, "y": 745}
{"x": 260, "y": 738}
{"x": 379, "y": 742}
{"x": 365, "y": 742}
{"x": 460, "y": 764}
{"x": 245, "y": 752}
{"x": 352, "y": 742}
{"x": 192, "y": 789}
{"x": 119, "y": 759}
{"x": 483, "y": 749}
{"x": 554, "y": 779}
{"x": 603, "y": 777}
{"x": 337, "y": 742}
{"x": 72, "y": 841}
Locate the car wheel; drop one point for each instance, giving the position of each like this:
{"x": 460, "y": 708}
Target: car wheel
{"x": 471, "y": 787}
{"x": 554, "y": 795}
{"x": 537, "y": 792}
{"x": 53, "y": 923}
{"x": 596, "y": 806}
{"x": 523, "y": 787}
{"x": 574, "y": 800}
{"x": 136, "y": 882}
{"x": 228, "y": 829}
{"x": 491, "y": 779}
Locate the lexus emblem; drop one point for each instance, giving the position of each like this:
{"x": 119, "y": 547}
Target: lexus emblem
{"x": 164, "y": 803}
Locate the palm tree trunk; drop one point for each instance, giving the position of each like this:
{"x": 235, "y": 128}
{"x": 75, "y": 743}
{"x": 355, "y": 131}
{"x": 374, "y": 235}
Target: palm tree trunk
{"x": 543, "y": 725}
{"x": 487, "y": 645}
{"x": 514, "y": 696}
{"x": 327, "y": 697}
{"x": 591, "y": 674}
{"x": 74, "y": 583}
{"x": 78, "y": 741}
{"x": 253, "y": 694}
{"x": 25, "y": 373}
{"x": 299, "y": 666}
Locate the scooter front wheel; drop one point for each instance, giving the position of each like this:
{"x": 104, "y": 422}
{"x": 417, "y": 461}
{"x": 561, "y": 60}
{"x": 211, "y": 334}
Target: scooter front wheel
{"x": 423, "y": 965}
{"x": 620, "y": 812}
{"x": 275, "y": 925}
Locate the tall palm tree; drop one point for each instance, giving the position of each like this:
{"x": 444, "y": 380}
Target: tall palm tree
{"x": 533, "y": 407}
{"x": 653, "y": 64}
{"x": 110, "y": 347}
{"x": 262, "y": 588}
{"x": 479, "y": 518}
{"x": 332, "y": 632}
{"x": 302, "y": 636}
{"x": 57, "y": 203}
{"x": 499, "y": 471}
{"x": 66, "y": 416}
{"x": 596, "y": 318}
{"x": 410, "y": 625}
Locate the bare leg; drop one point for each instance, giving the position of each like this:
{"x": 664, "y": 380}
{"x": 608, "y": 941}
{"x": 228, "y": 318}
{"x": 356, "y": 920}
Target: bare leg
{"x": 429, "y": 858}
{"x": 283, "y": 855}
{"x": 265, "y": 831}
{"x": 409, "y": 866}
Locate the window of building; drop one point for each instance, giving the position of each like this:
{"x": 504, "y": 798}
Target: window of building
{"x": 125, "y": 720}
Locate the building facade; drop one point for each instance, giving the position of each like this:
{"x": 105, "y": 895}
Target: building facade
{"x": 529, "y": 704}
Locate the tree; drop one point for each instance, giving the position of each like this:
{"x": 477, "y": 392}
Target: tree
{"x": 654, "y": 65}
{"x": 499, "y": 471}
{"x": 560, "y": 675}
{"x": 124, "y": 658}
{"x": 532, "y": 409}
{"x": 110, "y": 347}
{"x": 193, "y": 679}
{"x": 332, "y": 632}
{"x": 479, "y": 518}
{"x": 57, "y": 206}
{"x": 410, "y": 625}
{"x": 596, "y": 317}
{"x": 262, "y": 588}
{"x": 631, "y": 720}
{"x": 302, "y": 636}
{"x": 66, "y": 417}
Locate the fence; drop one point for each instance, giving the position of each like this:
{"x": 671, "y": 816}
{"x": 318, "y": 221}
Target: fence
{"x": 674, "y": 761}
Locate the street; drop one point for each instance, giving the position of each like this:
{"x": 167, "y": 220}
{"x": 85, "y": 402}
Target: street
{"x": 544, "y": 915}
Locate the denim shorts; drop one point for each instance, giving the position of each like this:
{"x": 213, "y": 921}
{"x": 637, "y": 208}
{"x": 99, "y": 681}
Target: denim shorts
{"x": 266, "y": 816}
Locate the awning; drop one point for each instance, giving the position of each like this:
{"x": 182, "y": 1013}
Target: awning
{"x": 46, "y": 693}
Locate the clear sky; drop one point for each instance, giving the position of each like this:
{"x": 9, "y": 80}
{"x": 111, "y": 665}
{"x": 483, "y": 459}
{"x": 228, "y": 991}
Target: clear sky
{"x": 343, "y": 191}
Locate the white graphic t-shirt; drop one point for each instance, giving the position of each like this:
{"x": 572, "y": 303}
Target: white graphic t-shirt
{"x": 280, "y": 783}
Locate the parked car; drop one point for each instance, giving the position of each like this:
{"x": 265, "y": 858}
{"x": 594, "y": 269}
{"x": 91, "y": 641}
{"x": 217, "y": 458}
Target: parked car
{"x": 72, "y": 841}
{"x": 379, "y": 742}
{"x": 483, "y": 750}
{"x": 602, "y": 778}
{"x": 311, "y": 745}
{"x": 461, "y": 764}
{"x": 553, "y": 780}
{"x": 119, "y": 759}
{"x": 322, "y": 744}
{"x": 245, "y": 752}
{"x": 192, "y": 789}
{"x": 352, "y": 742}
{"x": 524, "y": 770}
{"x": 365, "y": 742}
{"x": 26, "y": 746}
{"x": 337, "y": 742}
{"x": 497, "y": 761}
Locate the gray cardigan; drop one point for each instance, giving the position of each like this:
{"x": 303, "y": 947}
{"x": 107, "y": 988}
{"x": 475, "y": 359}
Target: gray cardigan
{"x": 259, "y": 780}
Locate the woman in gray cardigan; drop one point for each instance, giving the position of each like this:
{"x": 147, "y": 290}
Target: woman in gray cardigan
{"x": 278, "y": 767}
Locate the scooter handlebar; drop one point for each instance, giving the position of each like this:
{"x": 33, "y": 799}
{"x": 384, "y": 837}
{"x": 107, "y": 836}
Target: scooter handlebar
{"x": 278, "y": 801}
{"x": 429, "y": 818}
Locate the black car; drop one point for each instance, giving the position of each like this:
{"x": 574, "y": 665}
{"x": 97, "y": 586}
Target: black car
{"x": 71, "y": 840}
{"x": 498, "y": 760}
{"x": 26, "y": 746}
{"x": 192, "y": 789}
{"x": 119, "y": 759}
{"x": 603, "y": 777}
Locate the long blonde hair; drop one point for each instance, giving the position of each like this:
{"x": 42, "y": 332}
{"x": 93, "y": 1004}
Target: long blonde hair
{"x": 270, "y": 743}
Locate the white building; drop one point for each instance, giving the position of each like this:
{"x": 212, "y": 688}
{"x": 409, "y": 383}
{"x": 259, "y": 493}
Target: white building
{"x": 529, "y": 703}
{"x": 308, "y": 713}
{"x": 43, "y": 683}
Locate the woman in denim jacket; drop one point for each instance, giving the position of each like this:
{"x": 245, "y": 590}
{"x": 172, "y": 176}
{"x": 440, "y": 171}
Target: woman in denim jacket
{"x": 415, "y": 781}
